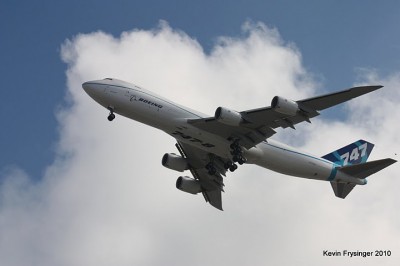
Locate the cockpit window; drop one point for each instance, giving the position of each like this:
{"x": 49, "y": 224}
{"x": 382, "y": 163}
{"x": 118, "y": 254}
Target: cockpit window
{"x": 108, "y": 79}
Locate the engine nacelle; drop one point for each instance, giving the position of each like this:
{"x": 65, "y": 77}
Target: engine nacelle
{"x": 188, "y": 185}
{"x": 284, "y": 106}
{"x": 175, "y": 162}
{"x": 227, "y": 116}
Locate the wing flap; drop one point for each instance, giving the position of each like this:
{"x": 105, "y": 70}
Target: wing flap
{"x": 213, "y": 197}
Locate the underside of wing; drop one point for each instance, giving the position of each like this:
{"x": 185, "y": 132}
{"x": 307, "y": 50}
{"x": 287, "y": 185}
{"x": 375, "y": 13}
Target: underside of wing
{"x": 254, "y": 126}
{"x": 211, "y": 184}
{"x": 214, "y": 197}
{"x": 331, "y": 99}
{"x": 248, "y": 134}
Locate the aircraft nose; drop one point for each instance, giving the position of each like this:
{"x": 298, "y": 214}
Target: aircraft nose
{"x": 92, "y": 88}
{"x": 86, "y": 86}
{"x": 95, "y": 89}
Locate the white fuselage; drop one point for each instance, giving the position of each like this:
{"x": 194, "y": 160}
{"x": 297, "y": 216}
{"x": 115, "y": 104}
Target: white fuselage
{"x": 144, "y": 106}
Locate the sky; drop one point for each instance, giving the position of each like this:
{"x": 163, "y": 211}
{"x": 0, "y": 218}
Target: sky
{"x": 77, "y": 190}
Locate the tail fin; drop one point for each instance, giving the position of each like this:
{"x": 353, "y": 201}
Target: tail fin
{"x": 352, "y": 160}
{"x": 361, "y": 171}
{"x": 355, "y": 153}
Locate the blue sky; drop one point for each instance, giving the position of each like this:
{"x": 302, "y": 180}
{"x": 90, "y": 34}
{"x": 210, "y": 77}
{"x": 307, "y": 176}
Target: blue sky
{"x": 335, "y": 38}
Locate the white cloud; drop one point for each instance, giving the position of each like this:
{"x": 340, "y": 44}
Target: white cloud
{"x": 106, "y": 199}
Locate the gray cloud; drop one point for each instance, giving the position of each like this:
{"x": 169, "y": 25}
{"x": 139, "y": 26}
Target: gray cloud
{"x": 106, "y": 199}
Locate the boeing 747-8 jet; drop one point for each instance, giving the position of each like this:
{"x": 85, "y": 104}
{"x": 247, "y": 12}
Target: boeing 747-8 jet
{"x": 210, "y": 146}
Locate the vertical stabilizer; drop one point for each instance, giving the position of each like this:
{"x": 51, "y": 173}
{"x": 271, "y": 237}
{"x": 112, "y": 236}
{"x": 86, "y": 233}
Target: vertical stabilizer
{"x": 355, "y": 153}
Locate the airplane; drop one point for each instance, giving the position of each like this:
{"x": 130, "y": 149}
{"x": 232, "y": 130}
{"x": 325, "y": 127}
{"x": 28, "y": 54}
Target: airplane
{"x": 209, "y": 146}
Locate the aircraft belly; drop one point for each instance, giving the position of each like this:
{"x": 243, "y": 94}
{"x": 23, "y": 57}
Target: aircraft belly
{"x": 287, "y": 160}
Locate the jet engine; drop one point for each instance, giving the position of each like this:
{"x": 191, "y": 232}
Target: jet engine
{"x": 175, "y": 162}
{"x": 188, "y": 185}
{"x": 227, "y": 116}
{"x": 284, "y": 106}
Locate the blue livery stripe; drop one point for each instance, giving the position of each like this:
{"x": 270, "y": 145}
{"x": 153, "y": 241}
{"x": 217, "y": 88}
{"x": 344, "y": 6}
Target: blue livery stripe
{"x": 333, "y": 173}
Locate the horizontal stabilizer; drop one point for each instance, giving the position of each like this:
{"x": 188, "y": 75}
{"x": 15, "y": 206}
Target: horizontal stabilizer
{"x": 359, "y": 171}
{"x": 341, "y": 189}
{"x": 366, "y": 169}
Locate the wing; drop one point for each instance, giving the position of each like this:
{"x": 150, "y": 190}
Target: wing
{"x": 259, "y": 124}
{"x": 212, "y": 185}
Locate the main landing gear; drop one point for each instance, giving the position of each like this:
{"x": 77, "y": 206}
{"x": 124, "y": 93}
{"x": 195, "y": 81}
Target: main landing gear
{"x": 237, "y": 153}
{"x": 212, "y": 170}
{"x": 231, "y": 166}
{"x": 111, "y": 116}
{"x": 237, "y": 157}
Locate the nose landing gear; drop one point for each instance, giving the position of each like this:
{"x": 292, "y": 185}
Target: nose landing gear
{"x": 111, "y": 116}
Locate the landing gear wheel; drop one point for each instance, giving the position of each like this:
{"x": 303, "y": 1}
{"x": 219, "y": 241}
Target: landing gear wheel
{"x": 228, "y": 165}
{"x": 111, "y": 117}
{"x": 233, "y": 167}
